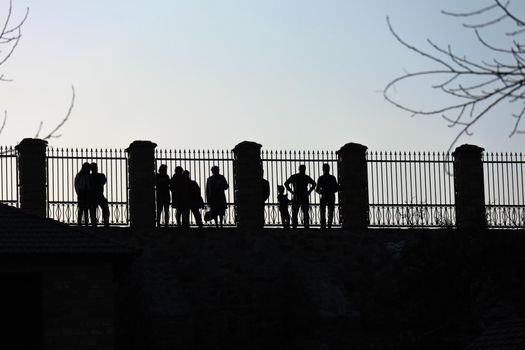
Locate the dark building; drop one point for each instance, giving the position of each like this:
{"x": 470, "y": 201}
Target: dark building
{"x": 57, "y": 284}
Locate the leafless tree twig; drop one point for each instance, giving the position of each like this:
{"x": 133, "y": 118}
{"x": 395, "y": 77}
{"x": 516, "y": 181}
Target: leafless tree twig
{"x": 476, "y": 85}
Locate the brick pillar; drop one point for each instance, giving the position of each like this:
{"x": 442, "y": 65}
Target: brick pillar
{"x": 469, "y": 187}
{"x": 247, "y": 172}
{"x": 353, "y": 179}
{"x": 141, "y": 170}
{"x": 32, "y": 176}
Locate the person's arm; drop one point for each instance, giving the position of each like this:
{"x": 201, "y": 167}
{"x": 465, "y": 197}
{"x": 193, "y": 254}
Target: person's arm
{"x": 225, "y": 183}
{"x": 319, "y": 187}
{"x": 312, "y": 185}
{"x": 287, "y": 185}
{"x": 76, "y": 184}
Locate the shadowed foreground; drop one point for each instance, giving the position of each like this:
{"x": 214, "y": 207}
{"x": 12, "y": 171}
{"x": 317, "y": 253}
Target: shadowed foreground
{"x": 313, "y": 289}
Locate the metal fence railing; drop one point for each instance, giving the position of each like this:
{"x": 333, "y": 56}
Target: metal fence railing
{"x": 62, "y": 166}
{"x": 405, "y": 189}
{"x": 199, "y": 163}
{"x": 411, "y": 189}
{"x": 9, "y": 176}
{"x": 504, "y": 189}
{"x": 278, "y": 166}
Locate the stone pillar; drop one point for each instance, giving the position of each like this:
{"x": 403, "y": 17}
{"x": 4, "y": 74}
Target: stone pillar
{"x": 141, "y": 171}
{"x": 32, "y": 176}
{"x": 248, "y": 187}
{"x": 469, "y": 187}
{"x": 353, "y": 180}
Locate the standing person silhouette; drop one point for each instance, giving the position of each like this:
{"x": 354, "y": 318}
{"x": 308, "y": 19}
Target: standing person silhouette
{"x": 162, "y": 189}
{"x": 327, "y": 187}
{"x": 195, "y": 201}
{"x": 83, "y": 190}
{"x": 283, "y": 201}
{"x": 215, "y": 187}
{"x": 98, "y": 181}
{"x": 301, "y": 194}
{"x": 176, "y": 188}
{"x": 184, "y": 199}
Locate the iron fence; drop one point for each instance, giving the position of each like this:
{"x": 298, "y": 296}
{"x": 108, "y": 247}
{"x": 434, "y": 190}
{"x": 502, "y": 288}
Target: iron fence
{"x": 278, "y": 166}
{"x": 199, "y": 163}
{"x": 405, "y": 189}
{"x": 411, "y": 189}
{"x": 504, "y": 189}
{"x": 62, "y": 167}
{"x": 9, "y": 176}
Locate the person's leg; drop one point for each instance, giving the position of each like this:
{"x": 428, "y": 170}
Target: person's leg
{"x": 221, "y": 218}
{"x": 86, "y": 216}
{"x": 305, "y": 207}
{"x": 331, "y": 207}
{"x": 166, "y": 215}
{"x": 322, "y": 208}
{"x": 286, "y": 219}
{"x": 105, "y": 211}
{"x": 197, "y": 215}
{"x": 295, "y": 212}
{"x": 283, "y": 222}
{"x": 93, "y": 214}
{"x": 80, "y": 212}
{"x": 178, "y": 214}
{"x": 159, "y": 212}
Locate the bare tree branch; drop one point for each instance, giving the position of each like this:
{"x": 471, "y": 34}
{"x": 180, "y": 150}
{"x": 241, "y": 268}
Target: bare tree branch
{"x": 53, "y": 133}
{"x": 476, "y": 85}
{"x": 10, "y": 35}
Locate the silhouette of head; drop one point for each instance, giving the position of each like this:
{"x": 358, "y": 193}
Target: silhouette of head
{"x": 302, "y": 169}
{"x": 94, "y": 168}
{"x": 280, "y": 189}
{"x": 163, "y": 169}
{"x": 215, "y": 170}
{"x": 178, "y": 170}
{"x": 186, "y": 174}
{"x": 326, "y": 168}
{"x": 86, "y": 167}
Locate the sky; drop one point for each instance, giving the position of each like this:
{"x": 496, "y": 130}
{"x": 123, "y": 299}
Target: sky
{"x": 288, "y": 74}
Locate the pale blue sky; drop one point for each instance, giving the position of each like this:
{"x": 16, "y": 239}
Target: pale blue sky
{"x": 294, "y": 74}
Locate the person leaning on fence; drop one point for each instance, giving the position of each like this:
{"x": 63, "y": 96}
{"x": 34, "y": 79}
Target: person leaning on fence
{"x": 195, "y": 201}
{"x": 176, "y": 188}
{"x": 215, "y": 187}
{"x": 327, "y": 187}
{"x": 98, "y": 181}
{"x": 184, "y": 199}
{"x": 83, "y": 190}
{"x": 162, "y": 189}
{"x": 301, "y": 194}
{"x": 283, "y": 201}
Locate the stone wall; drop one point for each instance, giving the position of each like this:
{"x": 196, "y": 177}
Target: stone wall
{"x": 315, "y": 289}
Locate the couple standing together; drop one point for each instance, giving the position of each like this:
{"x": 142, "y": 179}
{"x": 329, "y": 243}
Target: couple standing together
{"x": 89, "y": 186}
{"x": 186, "y": 196}
{"x": 300, "y": 186}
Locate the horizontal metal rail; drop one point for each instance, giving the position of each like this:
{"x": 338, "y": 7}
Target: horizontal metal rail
{"x": 504, "y": 189}
{"x": 411, "y": 189}
{"x": 62, "y": 166}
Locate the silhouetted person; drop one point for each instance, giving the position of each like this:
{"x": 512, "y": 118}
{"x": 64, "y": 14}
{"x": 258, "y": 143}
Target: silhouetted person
{"x": 162, "y": 188}
{"x": 177, "y": 188}
{"x": 98, "y": 181}
{"x": 83, "y": 190}
{"x": 195, "y": 201}
{"x": 215, "y": 187}
{"x": 327, "y": 187}
{"x": 301, "y": 194}
{"x": 265, "y": 189}
{"x": 184, "y": 199}
{"x": 283, "y": 201}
